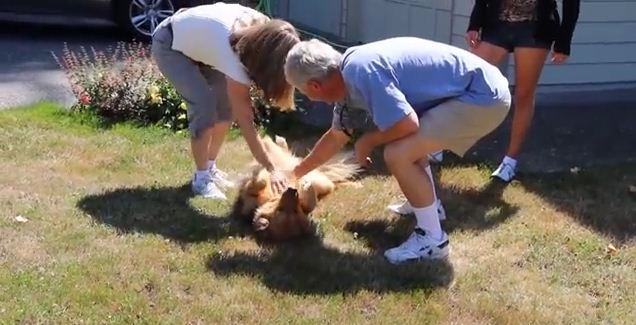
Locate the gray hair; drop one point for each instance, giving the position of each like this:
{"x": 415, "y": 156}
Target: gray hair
{"x": 310, "y": 60}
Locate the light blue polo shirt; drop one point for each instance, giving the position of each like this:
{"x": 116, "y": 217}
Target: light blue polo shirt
{"x": 393, "y": 77}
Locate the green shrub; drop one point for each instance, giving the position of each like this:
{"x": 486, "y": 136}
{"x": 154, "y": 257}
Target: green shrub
{"x": 124, "y": 85}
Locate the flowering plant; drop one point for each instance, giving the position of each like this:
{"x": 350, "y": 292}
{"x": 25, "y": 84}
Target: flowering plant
{"x": 124, "y": 84}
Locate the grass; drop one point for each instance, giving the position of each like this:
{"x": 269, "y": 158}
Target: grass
{"x": 114, "y": 237}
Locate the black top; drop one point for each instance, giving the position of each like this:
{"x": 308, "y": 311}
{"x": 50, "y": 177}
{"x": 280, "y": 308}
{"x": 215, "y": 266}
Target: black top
{"x": 549, "y": 26}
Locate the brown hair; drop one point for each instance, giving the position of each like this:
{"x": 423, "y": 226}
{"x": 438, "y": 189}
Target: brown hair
{"x": 262, "y": 49}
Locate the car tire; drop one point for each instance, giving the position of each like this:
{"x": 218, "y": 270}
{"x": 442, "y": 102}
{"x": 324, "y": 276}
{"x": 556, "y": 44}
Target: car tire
{"x": 138, "y": 18}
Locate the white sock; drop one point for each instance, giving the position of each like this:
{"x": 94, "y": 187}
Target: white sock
{"x": 510, "y": 161}
{"x": 202, "y": 174}
{"x": 212, "y": 164}
{"x": 428, "y": 220}
{"x": 429, "y": 172}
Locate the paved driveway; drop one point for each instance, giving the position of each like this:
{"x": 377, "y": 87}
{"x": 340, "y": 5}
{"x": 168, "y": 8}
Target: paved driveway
{"x": 28, "y": 72}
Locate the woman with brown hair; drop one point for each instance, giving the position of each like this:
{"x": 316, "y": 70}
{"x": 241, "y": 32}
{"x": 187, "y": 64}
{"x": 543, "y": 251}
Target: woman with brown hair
{"x": 529, "y": 29}
{"x": 212, "y": 54}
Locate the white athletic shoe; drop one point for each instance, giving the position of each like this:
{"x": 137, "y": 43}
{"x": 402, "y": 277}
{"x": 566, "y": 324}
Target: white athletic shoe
{"x": 436, "y": 157}
{"x": 504, "y": 172}
{"x": 221, "y": 179}
{"x": 204, "y": 186}
{"x": 419, "y": 246}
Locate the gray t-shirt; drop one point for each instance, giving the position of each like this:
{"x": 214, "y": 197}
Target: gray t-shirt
{"x": 350, "y": 118}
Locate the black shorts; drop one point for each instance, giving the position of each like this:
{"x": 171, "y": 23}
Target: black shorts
{"x": 510, "y": 35}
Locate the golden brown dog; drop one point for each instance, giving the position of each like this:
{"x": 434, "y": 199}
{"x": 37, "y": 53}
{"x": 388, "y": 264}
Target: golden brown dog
{"x": 286, "y": 216}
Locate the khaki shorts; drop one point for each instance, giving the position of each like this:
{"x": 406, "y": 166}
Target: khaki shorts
{"x": 202, "y": 87}
{"x": 458, "y": 125}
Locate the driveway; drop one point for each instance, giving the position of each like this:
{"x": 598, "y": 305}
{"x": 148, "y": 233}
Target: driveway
{"x": 28, "y": 72}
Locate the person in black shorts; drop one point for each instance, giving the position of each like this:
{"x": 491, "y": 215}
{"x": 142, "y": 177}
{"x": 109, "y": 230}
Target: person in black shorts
{"x": 529, "y": 29}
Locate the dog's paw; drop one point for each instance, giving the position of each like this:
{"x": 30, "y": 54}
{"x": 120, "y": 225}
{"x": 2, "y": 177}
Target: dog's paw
{"x": 304, "y": 185}
{"x": 260, "y": 224}
{"x": 307, "y": 189}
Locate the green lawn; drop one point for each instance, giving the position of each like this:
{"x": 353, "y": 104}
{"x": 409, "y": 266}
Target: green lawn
{"x": 113, "y": 236}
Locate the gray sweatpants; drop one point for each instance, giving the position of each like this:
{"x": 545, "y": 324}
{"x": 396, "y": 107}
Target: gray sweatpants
{"x": 202, "y": 87}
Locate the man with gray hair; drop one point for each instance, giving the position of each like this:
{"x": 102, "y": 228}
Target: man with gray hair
{"x": 423, "y": 96}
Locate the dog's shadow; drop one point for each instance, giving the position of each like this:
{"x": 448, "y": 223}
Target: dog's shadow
{"x": 165, "y": 211}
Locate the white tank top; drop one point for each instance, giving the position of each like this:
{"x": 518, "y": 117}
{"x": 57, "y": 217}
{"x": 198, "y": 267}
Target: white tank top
{"x": 202, "y": 34}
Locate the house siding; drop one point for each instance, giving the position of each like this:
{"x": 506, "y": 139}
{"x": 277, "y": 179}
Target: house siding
{"x": 388, "y": 18}
{"x": 323, "y": 15}
{"x": 603, "y": 46}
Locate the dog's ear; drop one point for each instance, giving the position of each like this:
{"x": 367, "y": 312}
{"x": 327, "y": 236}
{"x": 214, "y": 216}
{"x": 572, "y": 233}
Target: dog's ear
{"x": 280, "y": 141}
{"x": 308, "y": 197}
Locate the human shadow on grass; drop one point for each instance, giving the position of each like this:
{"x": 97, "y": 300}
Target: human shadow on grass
{"x": 302, "y": 266}
{"x": 466, "y": 210}
{"x": 165, "y": 211}
{"x": 310, "y": 267}
{"x": 598, "y": 198}
{"x": 603, "y": 200}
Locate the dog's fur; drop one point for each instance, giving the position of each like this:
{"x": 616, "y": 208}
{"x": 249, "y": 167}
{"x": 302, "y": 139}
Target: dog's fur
{"x": 286, "y": 216}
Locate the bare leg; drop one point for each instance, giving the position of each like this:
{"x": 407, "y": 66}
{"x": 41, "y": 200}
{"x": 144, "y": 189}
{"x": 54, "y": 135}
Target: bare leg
{"x": 402, "y": 158}
{"x": 200, "y": 148}
{"x": 527, "y": 76}
{"x": 427, "y": 240}
{"x": 491, "y": 53}
{"x": 217, "y": 138}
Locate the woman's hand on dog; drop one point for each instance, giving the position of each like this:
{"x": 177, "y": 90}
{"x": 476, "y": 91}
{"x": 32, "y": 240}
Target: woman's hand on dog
{"x": 279, "y": 181}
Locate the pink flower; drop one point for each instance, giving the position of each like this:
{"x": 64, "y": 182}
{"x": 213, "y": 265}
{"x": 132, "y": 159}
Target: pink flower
{"x": 85, "y": 99}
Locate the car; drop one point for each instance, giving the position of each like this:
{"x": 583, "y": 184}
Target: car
{"x": 138, "y": 18}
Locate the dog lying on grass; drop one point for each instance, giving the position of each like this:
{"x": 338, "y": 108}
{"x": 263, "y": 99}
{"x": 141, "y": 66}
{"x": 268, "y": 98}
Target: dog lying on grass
{"x": 286, "y": 216}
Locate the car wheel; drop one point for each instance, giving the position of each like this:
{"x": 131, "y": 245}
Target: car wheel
{"x": 139, "y": 18}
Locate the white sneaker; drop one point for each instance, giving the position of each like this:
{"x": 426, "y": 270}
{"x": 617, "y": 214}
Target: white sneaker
{"x": 419, "y": 246}
{"x": 405, "y": 208}
{"x": 204, "y": 186}
{"x": 504, "y": 172}
{"x": 436, "y": 157}
{"x": 221, "y": 179}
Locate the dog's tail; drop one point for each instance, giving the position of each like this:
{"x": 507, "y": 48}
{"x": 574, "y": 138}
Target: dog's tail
{"x": 341, "y": 168}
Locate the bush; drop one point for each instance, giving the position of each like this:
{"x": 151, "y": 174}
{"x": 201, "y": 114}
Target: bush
{"x": 124, "y": 85}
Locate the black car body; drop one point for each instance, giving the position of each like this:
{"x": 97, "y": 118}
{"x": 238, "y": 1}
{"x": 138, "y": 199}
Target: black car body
{"x": 136, "y": 17}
